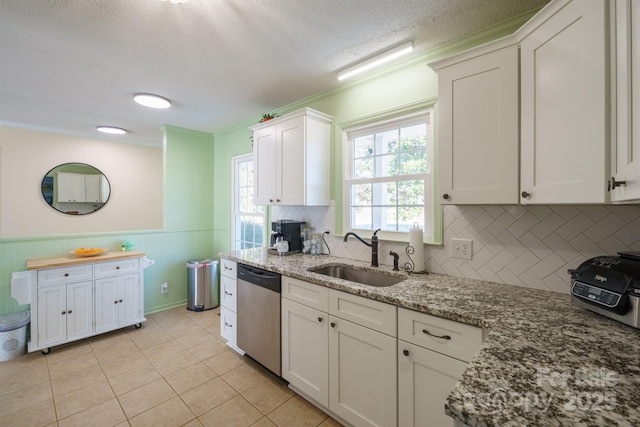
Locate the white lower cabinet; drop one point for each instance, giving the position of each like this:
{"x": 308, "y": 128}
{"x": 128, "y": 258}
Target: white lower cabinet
{"x": 369, "y": 363}
{"x": 116, "y": 302}
{"x": 65, "y": 313}
{"x": 425, "y": 378}
{"x": 362, "y": 374}
{"x": 228, "y": 303}
{"x": 305, "y": 363}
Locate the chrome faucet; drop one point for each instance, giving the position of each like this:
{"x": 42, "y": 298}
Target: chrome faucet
{"x": 373, "y": 245}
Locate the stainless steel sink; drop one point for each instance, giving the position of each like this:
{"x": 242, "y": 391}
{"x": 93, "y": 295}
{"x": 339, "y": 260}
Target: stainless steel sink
{"x": 365, "y": 277}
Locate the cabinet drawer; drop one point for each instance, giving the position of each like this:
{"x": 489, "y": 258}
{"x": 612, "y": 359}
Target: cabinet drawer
{"x": 445, "y": 336}
{"x": 228, "y": 296}
{"x": 309, "y": 294}
{"x": 228, "y": 268}
{"x": 115, "y": 268}
{"x": 363, "y": 311}
{"x": 228, "y": 325}
{"x": 60, "y": 276}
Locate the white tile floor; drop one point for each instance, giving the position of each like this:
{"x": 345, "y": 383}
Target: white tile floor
{"x": 174, "y": 371}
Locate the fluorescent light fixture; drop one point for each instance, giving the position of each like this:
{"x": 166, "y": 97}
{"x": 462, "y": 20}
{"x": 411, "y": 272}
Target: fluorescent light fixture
{"x": 376, "y": 61}
{"x": 112, "y": 130}
{"x": 151, "y": 100}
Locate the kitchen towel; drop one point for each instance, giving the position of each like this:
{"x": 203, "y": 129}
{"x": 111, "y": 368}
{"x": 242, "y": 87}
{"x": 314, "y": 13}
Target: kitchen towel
{"x": 416, "y": 241}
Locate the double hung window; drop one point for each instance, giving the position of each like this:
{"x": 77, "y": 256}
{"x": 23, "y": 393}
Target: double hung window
{"x": 248, "y": 219}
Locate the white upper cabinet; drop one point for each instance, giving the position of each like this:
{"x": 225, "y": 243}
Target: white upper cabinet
{"x": 71, "y": 187}
{"x": 564, "y": 104}
{"x": 625, "y": 150}
{"x": 478, "y": 132}
{"x": 292, "y": 159}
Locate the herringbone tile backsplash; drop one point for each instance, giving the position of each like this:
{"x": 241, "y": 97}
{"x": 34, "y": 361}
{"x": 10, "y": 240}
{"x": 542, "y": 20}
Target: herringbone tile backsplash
{"x": 531, "y": 246}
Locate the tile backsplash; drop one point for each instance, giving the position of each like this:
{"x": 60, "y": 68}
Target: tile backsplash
{"x": 531, "y": 246}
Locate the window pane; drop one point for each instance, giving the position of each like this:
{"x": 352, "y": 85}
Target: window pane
{"x": 361, "y": 218}
{"x": 387, "y": 142}
{"x": 413, "y": 162}
{"x": 363, "y": 146}
{"x": 411, "y": 192}
{"x": 381, "y": 193}
{"x": 413, "y": 137}
{"x": 242, "y": 174}
{"x": 407, "y": 216}
{"x": 361, "y": 195}
{"x": 363, "y": 168}
{"x": 387, "y": 165}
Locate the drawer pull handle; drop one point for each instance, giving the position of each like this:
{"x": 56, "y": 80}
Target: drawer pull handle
{"x": 228, "y": 325}
{"x": 227, "y": 293}
{"x": 333, "y": 324}
{"x": 405, "y": 352}
{"x": 319, "y": 319}
{"x": 444, "y": 337}
{"x": 227, "y": 268}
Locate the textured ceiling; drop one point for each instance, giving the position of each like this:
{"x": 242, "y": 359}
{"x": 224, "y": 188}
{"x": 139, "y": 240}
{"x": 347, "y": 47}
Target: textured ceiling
{"x": 74, "y": 64}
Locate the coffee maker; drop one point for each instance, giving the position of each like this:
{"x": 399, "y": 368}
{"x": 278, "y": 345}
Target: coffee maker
{"x": 289, "y": 230}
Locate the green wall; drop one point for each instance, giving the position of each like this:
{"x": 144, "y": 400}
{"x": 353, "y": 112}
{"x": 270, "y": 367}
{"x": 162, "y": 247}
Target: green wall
{"x": 188, "y": 200}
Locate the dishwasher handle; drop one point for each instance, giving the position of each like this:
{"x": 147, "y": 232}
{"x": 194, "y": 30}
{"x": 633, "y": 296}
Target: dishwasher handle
{"x": 259, "y": 277}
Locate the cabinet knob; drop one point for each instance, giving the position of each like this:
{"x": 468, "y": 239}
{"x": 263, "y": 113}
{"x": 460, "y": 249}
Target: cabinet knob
{"x": 405, "y": 352}
{"x": 278, "y": 200}
{"x": 118, "y": 268}
{"x": 444, "y": 337}
{"x": 115, "y": 302}
{"x": 525, "y": 195}
{"x": 333, "y": 324}
{"x": 270, "y": 200}
{"x": 119, "y": 300}
{"x": 63, "y": 313}
{"x": 445, "y": 196}
{"x": 66, "y": 274}
{"x": 69, "y": 311}
{"x": 319, "y": 319}
{"x": 615, "y": 183}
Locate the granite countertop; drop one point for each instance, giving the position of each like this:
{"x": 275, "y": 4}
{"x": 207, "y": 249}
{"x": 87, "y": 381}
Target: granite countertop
{"x": 545, "y": 362}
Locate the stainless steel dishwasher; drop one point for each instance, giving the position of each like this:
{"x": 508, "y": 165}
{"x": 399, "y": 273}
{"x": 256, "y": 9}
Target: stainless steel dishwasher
{"x": 258, "y": 322}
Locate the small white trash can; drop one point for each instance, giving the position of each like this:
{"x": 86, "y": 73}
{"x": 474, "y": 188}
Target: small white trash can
{"x": 13, "y": 334}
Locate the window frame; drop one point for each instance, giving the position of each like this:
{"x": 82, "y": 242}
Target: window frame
{"x": 379, "y": 124}
{"x": 236, "y": 214}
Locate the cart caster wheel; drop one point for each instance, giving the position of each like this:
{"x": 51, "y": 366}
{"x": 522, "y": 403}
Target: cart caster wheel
{"x": 138, "y": 325}
{"x": 45, "y": 352}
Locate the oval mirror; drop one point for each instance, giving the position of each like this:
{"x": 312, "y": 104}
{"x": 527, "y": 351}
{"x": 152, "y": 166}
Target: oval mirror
{"x": 75, "y": 188}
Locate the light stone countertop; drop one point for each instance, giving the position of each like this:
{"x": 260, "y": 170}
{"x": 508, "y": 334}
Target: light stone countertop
{"x": 544, "y": 363}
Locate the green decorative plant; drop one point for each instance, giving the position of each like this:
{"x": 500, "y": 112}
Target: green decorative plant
{"x": 268, "y": 116}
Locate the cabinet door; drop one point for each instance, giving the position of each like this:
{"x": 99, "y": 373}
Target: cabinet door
{"x": 564, "y": 149}
{"x": 478, "y": 133}
{"x": 79, "y": 310}
{"x": 92, "y": 188}
{"x": 106, "y": 301}
{"x": 291, "y": 171}
{"x": 65, "y": 187}
{"x": 425, "y": 379}
{"x": 52, "y": 315}
{"x": 362, "y": 374}
{"x": 625, "y": 165}
{"x": 305, "y": 350}
{"x": 265, "y": 165}
{"x": 128, "y": 304}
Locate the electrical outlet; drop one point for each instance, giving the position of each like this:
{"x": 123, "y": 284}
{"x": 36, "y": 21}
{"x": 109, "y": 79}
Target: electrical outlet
{"x": 164, "y": 288}
{"x": 461, "y": 248}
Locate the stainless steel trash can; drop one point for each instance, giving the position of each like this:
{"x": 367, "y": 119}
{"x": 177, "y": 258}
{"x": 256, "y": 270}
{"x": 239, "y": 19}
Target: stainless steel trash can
{"x": 203, "y": 291}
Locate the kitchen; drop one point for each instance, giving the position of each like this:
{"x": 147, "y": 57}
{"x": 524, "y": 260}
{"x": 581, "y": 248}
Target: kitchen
{"x": 527, "y": 245}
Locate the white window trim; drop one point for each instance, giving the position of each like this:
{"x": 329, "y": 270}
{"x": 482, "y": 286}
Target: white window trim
{"x": 429, "y": 236}
{"x": 235, "y": 160}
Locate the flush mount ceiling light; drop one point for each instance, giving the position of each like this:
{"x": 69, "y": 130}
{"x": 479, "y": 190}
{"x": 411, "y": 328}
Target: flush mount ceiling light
{"x": 111, "y": 129}
{"x": 152, "y": 101}
{"x": 177, "y": 1}
{"x": 376, "y": 61}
